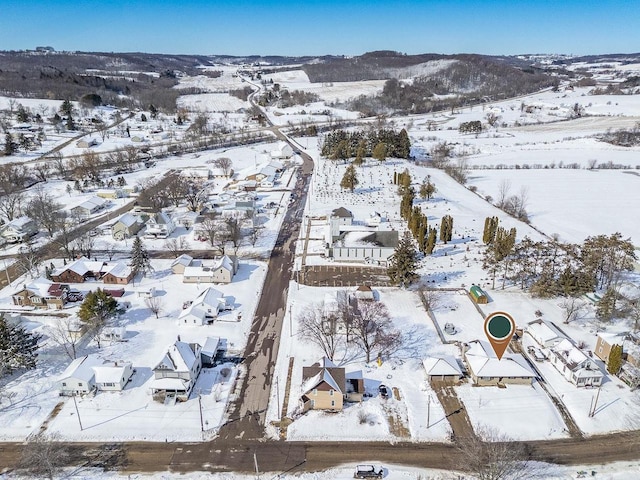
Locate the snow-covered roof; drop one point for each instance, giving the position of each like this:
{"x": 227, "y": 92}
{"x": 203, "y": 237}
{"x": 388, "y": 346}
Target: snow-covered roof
{"x": 119, "y": 269}
{"x": 322, "y": 376}
{"x": 544, "y": 332}
{"x": 111, "y": 372}
{"x": 210, "y": 347}
{"x": 179, "y": 358}
{"x": 81, "y": 368}
{"x": 209, "y": 299}
{"x": 40, "y": 286}
{"x": 127, "y": 219}
{"x": 483, "y": 362}
{"x": 170, "y": 384}
{"x": 183, "y": 259}
{"x": 570, "y": 355}
{"x": 91, "y": 203}
{"x": 19, "y": 223}
{"x": 442, "y": 365}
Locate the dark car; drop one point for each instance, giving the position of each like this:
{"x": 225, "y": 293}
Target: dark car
{"x": 384, "y": 391}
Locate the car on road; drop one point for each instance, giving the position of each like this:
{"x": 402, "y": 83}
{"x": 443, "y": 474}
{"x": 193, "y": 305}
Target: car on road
{"x": 384, "y": 391}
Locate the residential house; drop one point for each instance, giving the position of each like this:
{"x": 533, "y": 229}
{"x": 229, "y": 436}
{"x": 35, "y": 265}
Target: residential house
{"x": 222, "y": 271}
{"x": 545, "y": 333}
{"x": 443, "y": 368}
{"x": 159, "y": 225}
{"x": 83, "y": 269}
{"x": 204, "y": 309}
{"x": 575, "y": 365}
{"x": 630, "y": 342}
{"x": 87, "y": 143}
{"x": 126, "y": 226}
{"x": 89, "y": 373}
{"x": 180, "y": 263}
{"x": 605, "y": 342}
{"x": 326, "y": 386}
{"x": 79, "y": 377}
{"x": 118, "y": 273}
{"x": 177, "y": 372}
{"x": 19, "y": 230}
{"x": 89, "y": 207}
{"x": 485, "y": 368}
{"x": 41, "y": 293}
{"x": 112, "y": 376}
{"x": 282, "y": 151}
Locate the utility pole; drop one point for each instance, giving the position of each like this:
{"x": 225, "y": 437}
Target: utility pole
{"x": 595, "y": 404}
{"x": 77, "y": 411}
{"x": 255, "y": 463}
{"x": 200, "y": 405}
{"x": 428, "y": 411}
{"x": 278, "y": 396}
{"x": 290, "y": 320}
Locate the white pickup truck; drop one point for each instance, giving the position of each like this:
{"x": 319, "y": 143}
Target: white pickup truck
{"x": 367, "y": 471}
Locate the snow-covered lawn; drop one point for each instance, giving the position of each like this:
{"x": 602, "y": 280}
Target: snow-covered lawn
{"x": 520, "y": 412}
{"x": 132, "y": 413}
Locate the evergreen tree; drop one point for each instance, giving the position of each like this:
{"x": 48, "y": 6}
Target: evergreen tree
{"x": 403, "y": 145}
{"x": 17, "y": 347}
{"x": 349, "y": 179}
{"x": 490, "y": 228}
{"x": 403, "y": 262}
{"x": 404, "y": 181}
{"x": 614, "y": 362}
{"x": 71, "y": 125}
{"x": 431, "y": 241}
{"x": 406, "y": 203}
{"x": 10, "y": 147}
{"x": 98, "y": 306}
{"x": 446, "y": 228}
{"x": 361, "y": 152}
{"x": 66, "y": 108}
{"x": 606, "y": 307}
{"x": 140, "y": 262}
{"x": 153, "y": 111}
{"x": 380, "y": 152}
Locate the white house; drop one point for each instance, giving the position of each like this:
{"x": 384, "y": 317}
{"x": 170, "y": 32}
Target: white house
{"x": 79, "y": 377}
{"x": 204, "y": 309}
{"x": 222, "y": 271}
{"x": 574, "y": 365}
{"x": 127, "y": 225}
{"x": 159, "y": 225}
{"x": 89, "y": 206}
{"x": 485, "y": 368}
{"x": 19, "y": 229}
{"x": 113, "y": 376}
{"x": 546, "y": 334}
{"x": 282, "y": 151}
{"x": 177, "y": 372}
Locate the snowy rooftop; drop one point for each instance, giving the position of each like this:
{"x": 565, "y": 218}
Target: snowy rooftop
{"x": 484, "y": 363}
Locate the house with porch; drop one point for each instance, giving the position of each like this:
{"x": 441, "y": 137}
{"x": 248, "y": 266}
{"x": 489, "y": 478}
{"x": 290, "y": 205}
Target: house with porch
{"x": 19, "y": 230}
{"x": 204, "y": 309}
{"x": 177, "y": 372}
{"x": 574, "y": 365}
{"x": 126, "y": 226}
{"x": 89, "y": 373}
{"x": 159, "y": 225}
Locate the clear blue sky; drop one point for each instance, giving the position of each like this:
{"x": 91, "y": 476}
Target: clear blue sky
{"x": 313, "y": 27}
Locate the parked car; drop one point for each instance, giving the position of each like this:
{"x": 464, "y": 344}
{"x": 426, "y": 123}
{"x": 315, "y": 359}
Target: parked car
{"x": 367, "y": 471}
{"x": 74, "y": 296}
{"x": 384, "y": 391}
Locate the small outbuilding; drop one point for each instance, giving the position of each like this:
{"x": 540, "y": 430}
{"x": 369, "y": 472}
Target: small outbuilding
{"x": 478, "y": 295}
{"x": 442, "y": 368}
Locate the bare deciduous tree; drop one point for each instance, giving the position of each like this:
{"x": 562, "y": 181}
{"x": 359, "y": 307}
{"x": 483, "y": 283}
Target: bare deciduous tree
{"x": 490, "y": 455}
{"x": 176, "y": 245}
{"x": 224, "y": 164}
{"x": 372, "y": 329}
{"x": 573, "y": 308}
{"x": 11, "y": 205}
{"x": 316, "y": 326}
{"x": 234, "y": 232}
{"x": 431, "y": 299}
{"x": 44, "y": 456}
{"x": 65, "y": 334}
{"x": 154, "y": 304}
{"x": 44, "y": 210}
{"x": 29, "y": 260}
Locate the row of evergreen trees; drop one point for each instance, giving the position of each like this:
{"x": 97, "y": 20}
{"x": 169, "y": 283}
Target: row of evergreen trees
{"x": 380, "y": 144}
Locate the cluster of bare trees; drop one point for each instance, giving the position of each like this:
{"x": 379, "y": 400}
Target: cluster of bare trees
{"x": 349, "y": 328}
{"x": 514, "y": 205}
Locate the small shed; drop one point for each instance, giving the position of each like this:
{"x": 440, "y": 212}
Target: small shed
{"x": 478, "y": 295}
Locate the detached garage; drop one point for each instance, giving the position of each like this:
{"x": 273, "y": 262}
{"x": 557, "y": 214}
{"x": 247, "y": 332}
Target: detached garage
{"x": 442, "y": 368}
